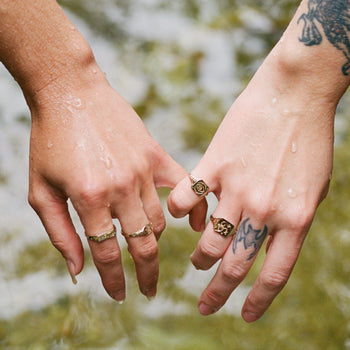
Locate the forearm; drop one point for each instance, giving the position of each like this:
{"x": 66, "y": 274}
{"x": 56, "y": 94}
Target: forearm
{"x": 311, "y": 56}
{"x": 39, "y": 45}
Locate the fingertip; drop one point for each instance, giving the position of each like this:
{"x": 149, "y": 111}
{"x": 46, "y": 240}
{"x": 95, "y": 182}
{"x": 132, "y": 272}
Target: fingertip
{"x": 182, "y": 199}
{"x": 249, "y": 317}
{"x": 71, "y": 270}
{"x": 198, "y": 215}
{"x": 174, "y": 205}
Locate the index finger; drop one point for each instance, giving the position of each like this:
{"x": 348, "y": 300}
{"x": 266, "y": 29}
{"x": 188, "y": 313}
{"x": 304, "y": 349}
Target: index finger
{"x": 186, "y": 195}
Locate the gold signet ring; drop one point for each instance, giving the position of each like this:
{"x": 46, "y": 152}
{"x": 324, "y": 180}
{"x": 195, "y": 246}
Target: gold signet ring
{"x": 222, "y": 226}
{"x": 199, "y": 187}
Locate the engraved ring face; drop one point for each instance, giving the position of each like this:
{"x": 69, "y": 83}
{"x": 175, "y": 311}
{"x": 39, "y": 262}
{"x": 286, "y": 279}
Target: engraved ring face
{"x": 103, "y": 236}
{"x": 222, "y": 226}
{"x": 146, "y": 230}
{"x": 199, "y": 187}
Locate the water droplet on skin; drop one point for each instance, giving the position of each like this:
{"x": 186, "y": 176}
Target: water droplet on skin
{"x": 291, "y": 193}
{"x": 94, "y": 71}
{"x": 74, "y": 103}
{"x": 107, "y": 162}
{"x": 294, "y": 147}
{"x": 244, "y": 163}
{"x": 49, "y": 145}
{"x": 80, "y": 145}
{"x": 274, "y": 100}
{"x": 102, "y": 148}
{"x": 286, "y": 112}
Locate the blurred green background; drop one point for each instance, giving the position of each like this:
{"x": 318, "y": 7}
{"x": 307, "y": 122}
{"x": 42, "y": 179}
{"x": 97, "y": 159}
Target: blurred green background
{"x": 179, "y": 63}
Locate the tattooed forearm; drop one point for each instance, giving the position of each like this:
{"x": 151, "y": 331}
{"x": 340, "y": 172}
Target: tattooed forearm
{"x": 334, "y": 18}
{"x": 250, "y": 237}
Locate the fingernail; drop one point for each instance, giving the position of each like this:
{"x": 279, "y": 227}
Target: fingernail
{"x": 150, "y": 294}
{"x": 249, "y": 316}
{"x": 206, "y": 310}
{"x": 119, "y": 297}
{"x": 71, "y": 270}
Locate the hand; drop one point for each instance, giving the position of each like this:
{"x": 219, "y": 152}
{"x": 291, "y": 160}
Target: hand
{"x": 269, "y": 165}
{"x": 89, "y": 145}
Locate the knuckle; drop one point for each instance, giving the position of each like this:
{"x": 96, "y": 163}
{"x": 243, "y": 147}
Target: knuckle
{"x": 209, "y": 249}
{"x": 148, "y": 252}
{"x": 33, "y": 201}
{"x": 264, "y": 210}
{"x": 156, "y": 216}
{"x": 299, "y": 217}
{"x": 58, "y": 244}
{"x": 159, "y": 226}
{"x": 215, "y": 296}
{"x": 36, "y": 200}
{"x": 91, "y": 194}
{"x": 233, "y": 273}
{"x": 106, "y": 256}
{"x": 125, "y": 183}
{"x": 258, "y": 303}
{"x": 274, "y": 280}
{"x": 261, "y": 207}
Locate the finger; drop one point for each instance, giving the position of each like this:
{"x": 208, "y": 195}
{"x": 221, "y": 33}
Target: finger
{"x": 96, "y": 219}
{"x": 212, "y": 245}
{"x": 170, "y": 174}
{"x": 153, "y": 210}
{"x": 52, "y": 210}
{"x": 234, "y": 266}
{"x": 198, "y": 215}
{"x": 280, "y": 260}
{"x": 143, "y": 249}
{"x": 183, "y": 198}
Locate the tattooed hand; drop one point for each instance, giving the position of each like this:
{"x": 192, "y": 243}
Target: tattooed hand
{"x": 270, "y": 161}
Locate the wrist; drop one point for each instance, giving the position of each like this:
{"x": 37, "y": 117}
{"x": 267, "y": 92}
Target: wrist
{"x": 308, "y": 57}
{"x": 64, "y": 78}
{"x": 316, "y": 73}
{"x": 41, "y": 48}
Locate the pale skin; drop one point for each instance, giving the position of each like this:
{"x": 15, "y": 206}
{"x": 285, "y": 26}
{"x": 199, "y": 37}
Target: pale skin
{"x": 87, "y": 145}
{"x": 269, "y": 165}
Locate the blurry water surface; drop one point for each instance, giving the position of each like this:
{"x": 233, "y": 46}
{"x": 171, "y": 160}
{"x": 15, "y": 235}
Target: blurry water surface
{"x": 180, "y": 64}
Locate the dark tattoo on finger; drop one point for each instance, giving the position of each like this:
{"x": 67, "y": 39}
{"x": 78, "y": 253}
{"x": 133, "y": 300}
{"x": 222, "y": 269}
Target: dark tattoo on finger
{"x": 250, "y": 237}
{"x": 334, "y": 17}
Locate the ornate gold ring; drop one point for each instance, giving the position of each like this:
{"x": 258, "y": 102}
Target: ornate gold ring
{"x": 199, "y": 187}
{"x": 222, "y": 226}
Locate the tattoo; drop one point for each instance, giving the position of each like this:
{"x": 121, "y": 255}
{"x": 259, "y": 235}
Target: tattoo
{"x": 334, "y": 17}
{"x": 250, "y": 237}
